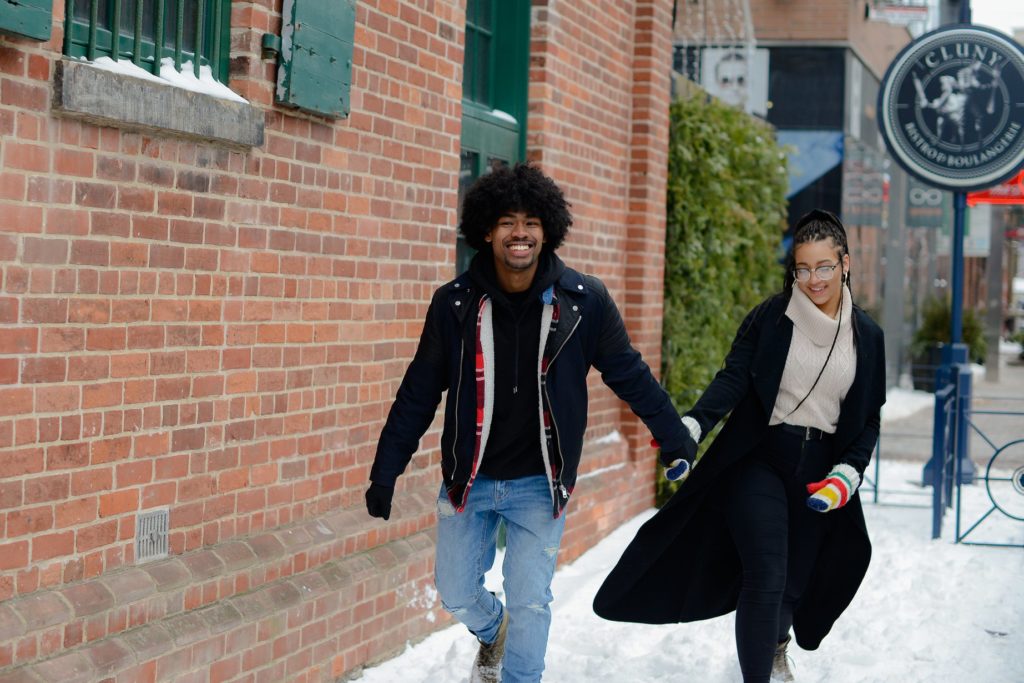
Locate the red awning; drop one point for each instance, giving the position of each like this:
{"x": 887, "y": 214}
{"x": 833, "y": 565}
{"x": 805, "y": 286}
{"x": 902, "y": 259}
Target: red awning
{"x": 1010, "y": 192}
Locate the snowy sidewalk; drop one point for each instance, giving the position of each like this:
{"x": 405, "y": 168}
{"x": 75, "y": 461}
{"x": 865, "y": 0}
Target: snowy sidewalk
{"x": 928, "y": 612}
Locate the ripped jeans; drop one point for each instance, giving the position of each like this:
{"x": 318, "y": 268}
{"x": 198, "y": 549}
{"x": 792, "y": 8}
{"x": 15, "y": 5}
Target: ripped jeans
{"x": 466, "y": 546}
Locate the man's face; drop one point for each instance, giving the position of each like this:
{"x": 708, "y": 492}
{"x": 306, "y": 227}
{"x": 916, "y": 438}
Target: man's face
{"x": 516, "y": 240}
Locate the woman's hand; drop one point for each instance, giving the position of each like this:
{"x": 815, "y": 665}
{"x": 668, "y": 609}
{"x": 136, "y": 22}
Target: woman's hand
{"x": 834, "y": 491}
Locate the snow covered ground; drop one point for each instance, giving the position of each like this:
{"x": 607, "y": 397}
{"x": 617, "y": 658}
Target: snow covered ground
{"x": 928, "y": 611}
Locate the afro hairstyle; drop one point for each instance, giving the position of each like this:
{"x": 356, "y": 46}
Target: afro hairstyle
{"x": 505, "y": 190}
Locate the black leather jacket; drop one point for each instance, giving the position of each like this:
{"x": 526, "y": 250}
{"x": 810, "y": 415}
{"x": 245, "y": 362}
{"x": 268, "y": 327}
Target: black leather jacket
{"x": 589, "y": 333}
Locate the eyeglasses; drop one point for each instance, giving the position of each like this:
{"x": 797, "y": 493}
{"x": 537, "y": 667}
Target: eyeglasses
{"x": 823, "y": 272}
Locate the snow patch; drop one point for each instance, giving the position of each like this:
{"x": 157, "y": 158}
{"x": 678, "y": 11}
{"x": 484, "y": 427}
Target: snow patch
{"x": 503, "y": 115}
{"x": 900, "y": 403}
{"x": 927, "y": 612}
{"x": 205, "y": 84}
{"x": 611, "y": 437}
{"x": 184, "y": 79}
{"x": 123, "y": 66}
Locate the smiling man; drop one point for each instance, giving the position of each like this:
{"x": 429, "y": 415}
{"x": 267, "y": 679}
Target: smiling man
{"x": 512, "y": 341}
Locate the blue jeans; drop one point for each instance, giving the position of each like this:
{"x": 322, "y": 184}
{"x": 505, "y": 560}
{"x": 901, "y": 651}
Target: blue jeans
{"x": 466, "y": 546}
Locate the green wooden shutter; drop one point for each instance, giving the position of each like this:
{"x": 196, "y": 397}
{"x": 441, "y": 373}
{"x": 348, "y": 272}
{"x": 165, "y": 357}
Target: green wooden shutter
{"x": 315, "y": 72}
{"x": 28, "y": 18}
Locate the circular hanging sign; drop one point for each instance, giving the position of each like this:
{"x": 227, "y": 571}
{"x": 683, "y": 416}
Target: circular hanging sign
{"x": 951, "y": 107}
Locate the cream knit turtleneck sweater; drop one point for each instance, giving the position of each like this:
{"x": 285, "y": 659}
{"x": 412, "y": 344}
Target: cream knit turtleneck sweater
{"x": 813, "y": 332}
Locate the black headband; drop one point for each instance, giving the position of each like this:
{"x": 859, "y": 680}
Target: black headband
{"x": 823, "y": 216}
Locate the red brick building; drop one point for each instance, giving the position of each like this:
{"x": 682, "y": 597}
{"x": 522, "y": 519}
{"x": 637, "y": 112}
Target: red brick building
{"x": 206, "y": 306}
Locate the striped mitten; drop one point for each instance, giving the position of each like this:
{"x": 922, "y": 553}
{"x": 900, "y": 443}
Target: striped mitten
{"x": 834, "y": 491}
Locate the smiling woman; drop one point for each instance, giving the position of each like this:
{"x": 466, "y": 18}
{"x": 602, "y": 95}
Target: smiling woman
{"x": 816, "y": 264}
{"x": 803, "y": 386}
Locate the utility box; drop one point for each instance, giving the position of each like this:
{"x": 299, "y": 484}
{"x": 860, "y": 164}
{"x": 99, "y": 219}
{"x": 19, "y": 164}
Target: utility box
{"x": 315, "y": 66}
{"x": 26, "y": 18}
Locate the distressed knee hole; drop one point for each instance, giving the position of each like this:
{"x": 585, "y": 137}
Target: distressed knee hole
{"x": 445, "y": 508}
{"x": 454, "y": 611}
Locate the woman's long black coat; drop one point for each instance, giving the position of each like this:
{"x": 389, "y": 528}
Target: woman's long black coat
{"x": 682, "y": 565}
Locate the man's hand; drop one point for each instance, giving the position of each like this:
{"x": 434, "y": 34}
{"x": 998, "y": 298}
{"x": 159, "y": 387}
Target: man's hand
{"x": 678, "y": 463}
{"x": 834, "y": 491}
{"x": 378, "y": 500}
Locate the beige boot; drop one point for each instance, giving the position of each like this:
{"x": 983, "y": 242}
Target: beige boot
{"x": 781, "y": 664}
{"x": 487, "y": 666}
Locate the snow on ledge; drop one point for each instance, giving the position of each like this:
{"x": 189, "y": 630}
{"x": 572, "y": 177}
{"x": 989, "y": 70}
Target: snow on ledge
{"x": 185, "y": 79}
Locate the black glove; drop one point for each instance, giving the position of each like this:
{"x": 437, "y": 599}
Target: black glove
{"x": 378, "y": 500}
{"x": 679, "y": 462}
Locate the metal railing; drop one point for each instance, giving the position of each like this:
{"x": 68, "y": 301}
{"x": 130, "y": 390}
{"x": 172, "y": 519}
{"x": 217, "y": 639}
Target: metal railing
{"x": 148, "y": 31}
{"x": 951, "y": 465}
{"x": 873, "y": 481}
{"x": 943, "y": 454}
{"x": 1003, "y": 480}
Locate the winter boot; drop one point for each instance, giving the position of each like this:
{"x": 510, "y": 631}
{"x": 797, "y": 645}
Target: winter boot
{"x": 781, "y": 672}
{"x": 487, "y": 666}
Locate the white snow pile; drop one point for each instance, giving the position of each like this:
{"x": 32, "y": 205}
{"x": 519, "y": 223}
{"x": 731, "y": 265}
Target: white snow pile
{"x": 185, "y": 78}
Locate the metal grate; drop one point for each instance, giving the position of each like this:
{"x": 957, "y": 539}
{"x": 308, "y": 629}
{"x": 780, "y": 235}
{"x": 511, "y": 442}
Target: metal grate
{"x": 148, "y": 31}
{"x": 151, "y": 535}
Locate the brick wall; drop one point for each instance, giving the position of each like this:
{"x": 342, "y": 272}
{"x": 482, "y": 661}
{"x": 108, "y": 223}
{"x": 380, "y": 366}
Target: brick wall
{"x": 220, "y": 331}
{"x": 876, "y": 43}
{"x": 599, "y": 124}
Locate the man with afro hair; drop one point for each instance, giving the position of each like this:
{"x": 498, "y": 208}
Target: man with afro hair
{"x": 511, "y": 341}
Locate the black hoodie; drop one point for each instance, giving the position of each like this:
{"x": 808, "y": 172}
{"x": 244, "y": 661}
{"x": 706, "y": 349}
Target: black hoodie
{"x": 513, "y": 445}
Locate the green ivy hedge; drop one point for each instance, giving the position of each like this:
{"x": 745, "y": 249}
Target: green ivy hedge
{"x": 726, "y": 211}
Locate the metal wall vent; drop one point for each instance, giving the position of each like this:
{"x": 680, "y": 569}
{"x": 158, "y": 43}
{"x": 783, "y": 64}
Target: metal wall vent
{"x": 151, "y": 535}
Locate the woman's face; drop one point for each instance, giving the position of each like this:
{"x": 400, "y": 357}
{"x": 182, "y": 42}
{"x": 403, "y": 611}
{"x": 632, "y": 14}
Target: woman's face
{"x": 811, "y": 256}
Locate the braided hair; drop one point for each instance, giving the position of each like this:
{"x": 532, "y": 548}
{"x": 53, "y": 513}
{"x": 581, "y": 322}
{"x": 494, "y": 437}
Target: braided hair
{"x": 816, "y": 224}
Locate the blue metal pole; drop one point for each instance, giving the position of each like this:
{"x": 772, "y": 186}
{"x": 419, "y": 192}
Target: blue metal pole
{"x": 957, "y": 288}
{"x": 934, "y": 475}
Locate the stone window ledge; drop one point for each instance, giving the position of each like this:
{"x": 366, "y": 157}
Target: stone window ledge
{"x": 113, "y": 99}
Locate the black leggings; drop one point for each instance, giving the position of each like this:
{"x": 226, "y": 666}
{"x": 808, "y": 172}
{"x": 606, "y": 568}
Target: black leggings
{"x": 777, "y": 537}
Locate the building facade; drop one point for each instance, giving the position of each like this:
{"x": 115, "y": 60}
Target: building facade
{"x": 212, "y": 279}
{"x": 813, "y": 71}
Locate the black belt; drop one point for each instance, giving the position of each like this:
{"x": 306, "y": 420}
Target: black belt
{"x": 808, "y": 433}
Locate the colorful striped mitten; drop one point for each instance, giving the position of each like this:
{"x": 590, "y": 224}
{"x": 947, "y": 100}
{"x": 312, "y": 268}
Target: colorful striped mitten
{"x": 834, "y": 491}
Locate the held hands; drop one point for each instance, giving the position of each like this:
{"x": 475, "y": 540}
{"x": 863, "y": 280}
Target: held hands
{"x": 834, "y": 491}
{"x": 678, "y": 470}
{"x": 678, "y": 463}
{"x": 378, "y": 500}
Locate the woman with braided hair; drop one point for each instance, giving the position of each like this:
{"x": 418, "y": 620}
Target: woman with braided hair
{"x": 769, "y": 524}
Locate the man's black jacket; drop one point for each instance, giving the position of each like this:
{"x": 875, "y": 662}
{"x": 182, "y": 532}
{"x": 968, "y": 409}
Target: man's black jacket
{"x": 589, "y": 333}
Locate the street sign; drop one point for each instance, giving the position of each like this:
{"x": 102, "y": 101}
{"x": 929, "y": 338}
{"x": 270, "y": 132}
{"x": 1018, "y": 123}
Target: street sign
{"x": 897, "y": 13}
{"x": 951, "y": 107}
